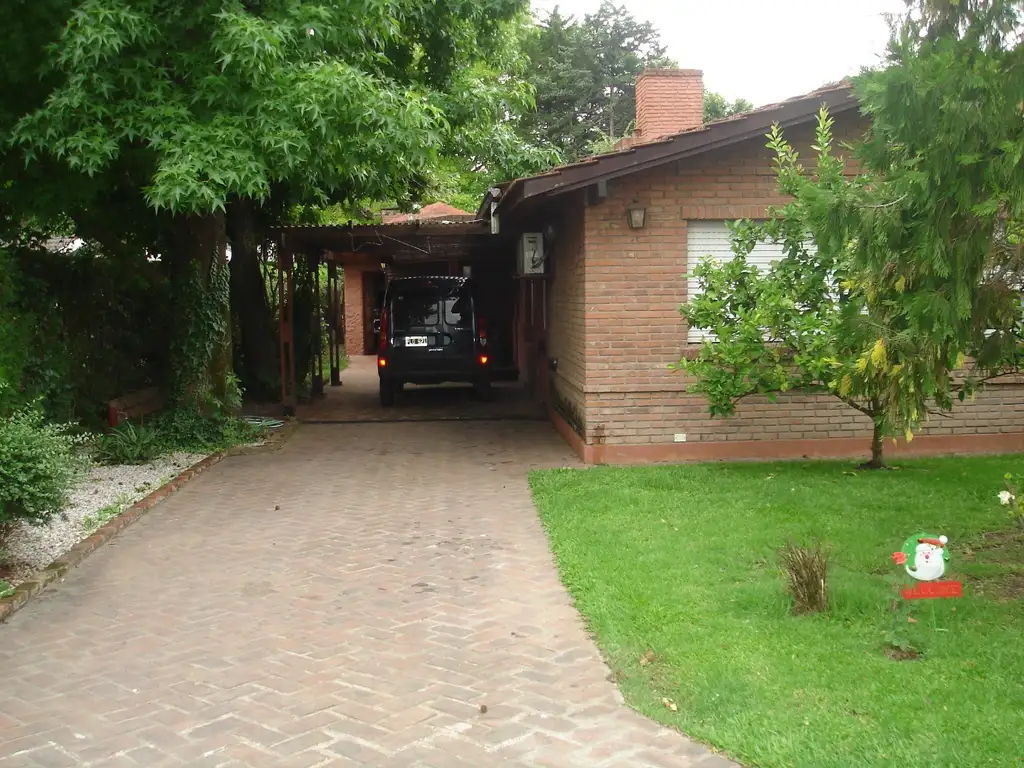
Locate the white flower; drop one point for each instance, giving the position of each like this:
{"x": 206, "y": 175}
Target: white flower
{"x": 1005, "y": 497}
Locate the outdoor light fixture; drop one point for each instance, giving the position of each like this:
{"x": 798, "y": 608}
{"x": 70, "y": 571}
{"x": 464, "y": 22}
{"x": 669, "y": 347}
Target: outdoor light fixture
{"x": 636, "y": 215}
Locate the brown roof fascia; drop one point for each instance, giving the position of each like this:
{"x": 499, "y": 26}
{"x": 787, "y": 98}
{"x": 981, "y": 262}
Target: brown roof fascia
{"x": 336, "y": 237}
{"x": 644, "y": 156}
{"x": 424, "y": 227}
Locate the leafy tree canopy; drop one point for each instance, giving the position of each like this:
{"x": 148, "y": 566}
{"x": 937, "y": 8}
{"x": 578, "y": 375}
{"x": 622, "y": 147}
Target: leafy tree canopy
{"x": 717, "y": 107}
{"x": 227, "y": 99}
{"x": 911, "y": 294}
{"x": 195, "y": 121}
{"x": 584, "y": 73}
{"x": 946, "y": 149}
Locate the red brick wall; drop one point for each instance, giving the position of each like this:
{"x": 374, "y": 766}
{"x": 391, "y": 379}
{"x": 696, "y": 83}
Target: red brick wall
{"x": 668, "y": 101}
{"x": 657, "y": 416}
{"x": 634, "y": 282}
{"x": 354, "y": 324}
{"x": 566, "y": 305}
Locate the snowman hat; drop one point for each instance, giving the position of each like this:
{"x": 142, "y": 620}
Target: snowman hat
{"x": 910, "y": 545}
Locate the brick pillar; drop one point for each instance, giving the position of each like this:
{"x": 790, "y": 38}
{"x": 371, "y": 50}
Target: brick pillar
{"x": 355, "y": 331}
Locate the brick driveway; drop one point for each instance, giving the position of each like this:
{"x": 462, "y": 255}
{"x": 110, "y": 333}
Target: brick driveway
{"x": 359, "y": 598}
{"x": 359, "y": 400}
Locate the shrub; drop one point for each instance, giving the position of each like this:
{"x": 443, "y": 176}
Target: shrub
{"x": 807, "y": 572}
{"x": 188, "y": 430}
{"x": 127, "y": 444}
{"x": 39, "y": 464}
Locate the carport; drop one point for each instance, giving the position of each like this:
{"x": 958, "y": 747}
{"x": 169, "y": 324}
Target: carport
{"x": 344, "y": 270}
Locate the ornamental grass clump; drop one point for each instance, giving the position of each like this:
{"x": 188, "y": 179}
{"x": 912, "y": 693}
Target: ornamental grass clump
{"x": 807, "y": 574}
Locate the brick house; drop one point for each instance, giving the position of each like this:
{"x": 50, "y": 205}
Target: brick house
{"x": 622, "y": 231}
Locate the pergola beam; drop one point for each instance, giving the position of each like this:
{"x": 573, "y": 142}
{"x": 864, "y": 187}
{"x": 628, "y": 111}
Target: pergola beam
{"x": 286, "y": 325}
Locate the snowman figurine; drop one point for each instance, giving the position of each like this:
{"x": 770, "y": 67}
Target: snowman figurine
{"x": 924, "y": 556}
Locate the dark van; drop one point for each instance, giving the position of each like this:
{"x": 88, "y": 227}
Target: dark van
{"x": 431, "y": 332}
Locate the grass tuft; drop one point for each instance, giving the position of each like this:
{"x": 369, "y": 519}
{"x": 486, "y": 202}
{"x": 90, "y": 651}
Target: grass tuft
{"x": 807, "y": 572}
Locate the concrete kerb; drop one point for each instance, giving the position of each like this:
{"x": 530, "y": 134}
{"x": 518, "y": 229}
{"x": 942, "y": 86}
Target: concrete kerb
{"x": 59, "y": 568}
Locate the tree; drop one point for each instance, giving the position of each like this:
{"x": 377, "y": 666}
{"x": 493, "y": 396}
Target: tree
{"x": 813, "y": 322}
{"x": 946, "y": 149}
{"x": 931, "y": 229}
{"x": 584, "y": 74}
{"x": 487, "y": 105}
{"x": 717, "y": 107}
{"x": 201, "y": 107}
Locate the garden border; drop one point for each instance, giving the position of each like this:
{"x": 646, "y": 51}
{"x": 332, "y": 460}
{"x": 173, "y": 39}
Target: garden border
{"x": 59, "y": 568}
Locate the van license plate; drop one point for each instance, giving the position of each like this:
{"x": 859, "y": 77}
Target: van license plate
{"x": 415, "y": 341}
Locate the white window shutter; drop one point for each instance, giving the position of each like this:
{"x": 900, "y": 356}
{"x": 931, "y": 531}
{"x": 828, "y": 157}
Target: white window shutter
{"x": 711, "y": 238}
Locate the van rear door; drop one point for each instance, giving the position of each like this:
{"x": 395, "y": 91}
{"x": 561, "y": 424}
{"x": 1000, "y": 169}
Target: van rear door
{"x": 417, "y": 327}
{"x": 459, "y": 331}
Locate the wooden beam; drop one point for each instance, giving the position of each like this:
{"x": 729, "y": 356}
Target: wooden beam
{"x": 286, "y": 331}
{"x": 337, "y": 319}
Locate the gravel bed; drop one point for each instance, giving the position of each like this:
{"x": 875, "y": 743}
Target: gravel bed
{"x": 33, "y": 548}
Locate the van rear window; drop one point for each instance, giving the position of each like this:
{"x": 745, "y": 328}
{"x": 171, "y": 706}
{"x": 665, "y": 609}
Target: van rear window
{"x": 458, "y": 308}
{"x": 416, "y": 308}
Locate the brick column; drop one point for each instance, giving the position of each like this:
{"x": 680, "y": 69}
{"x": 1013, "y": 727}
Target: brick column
{"x": 355, "y": 331}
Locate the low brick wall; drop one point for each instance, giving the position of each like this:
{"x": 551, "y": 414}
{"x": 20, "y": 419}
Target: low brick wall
{"x": 631, "y": 427}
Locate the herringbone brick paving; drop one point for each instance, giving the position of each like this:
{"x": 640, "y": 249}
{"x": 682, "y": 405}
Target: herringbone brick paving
{"x": 374, "y": 595}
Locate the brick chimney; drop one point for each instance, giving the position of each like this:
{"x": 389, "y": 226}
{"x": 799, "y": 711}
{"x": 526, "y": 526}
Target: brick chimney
{"x": 668, "y": 101}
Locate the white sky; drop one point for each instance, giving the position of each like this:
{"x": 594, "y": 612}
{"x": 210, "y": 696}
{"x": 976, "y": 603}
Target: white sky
{"x": 761, "y": 50}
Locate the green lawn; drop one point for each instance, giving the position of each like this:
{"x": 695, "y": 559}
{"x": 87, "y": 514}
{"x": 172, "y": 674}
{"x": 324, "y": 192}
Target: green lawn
{"x": 684, "y": 561}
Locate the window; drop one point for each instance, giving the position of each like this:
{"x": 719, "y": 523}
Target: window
{"x": 711, "y": 238}
{"x": 458, "y": 308}
{"x": 415, "y": 309}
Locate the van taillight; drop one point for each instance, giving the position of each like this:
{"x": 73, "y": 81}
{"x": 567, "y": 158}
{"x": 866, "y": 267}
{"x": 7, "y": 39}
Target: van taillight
{"x": 481, "y": 326}
{"x": 383, "y": 345}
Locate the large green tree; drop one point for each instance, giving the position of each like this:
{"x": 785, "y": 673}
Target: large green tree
{"x": 919, "y": 257}
{"x": 488, "y": 104}
{"x": 207, "y": 111}
{"x": 940, "y": 237}
{"x": 584, "y": 73}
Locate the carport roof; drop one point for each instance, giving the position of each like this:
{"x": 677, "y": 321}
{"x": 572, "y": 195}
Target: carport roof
{"x": 837, "y": 97}
{"x": 425, "y": 238}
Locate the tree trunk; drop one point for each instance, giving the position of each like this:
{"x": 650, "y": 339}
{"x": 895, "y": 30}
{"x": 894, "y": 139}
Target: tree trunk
{"x": 877, "y": 445}
{"x": 201, "y": 333}
{"x": 258, "y": 366}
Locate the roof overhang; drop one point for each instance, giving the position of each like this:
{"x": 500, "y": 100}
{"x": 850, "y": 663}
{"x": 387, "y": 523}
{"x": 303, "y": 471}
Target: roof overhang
{"x": 722, "y": 133}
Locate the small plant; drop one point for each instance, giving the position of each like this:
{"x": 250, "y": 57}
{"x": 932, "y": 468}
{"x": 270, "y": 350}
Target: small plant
{"x": 127, "y": 444}
{"x": 190, "y": 430}
{"x": 91, "y": 522}
{"x": 1009, "y": 497}
{"x": 901, "y": 650}
{"x": 807, "y": 572}
{"x": 233, "y": 395}
{"x": 39, "y": 464}
{"x": 6, "y": 589}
